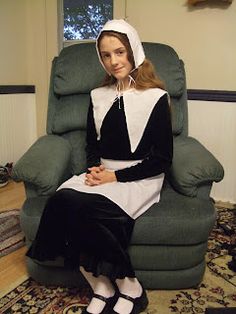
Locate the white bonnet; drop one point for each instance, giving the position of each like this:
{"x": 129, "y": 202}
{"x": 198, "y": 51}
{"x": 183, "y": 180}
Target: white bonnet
{"x": 123, "y": 27}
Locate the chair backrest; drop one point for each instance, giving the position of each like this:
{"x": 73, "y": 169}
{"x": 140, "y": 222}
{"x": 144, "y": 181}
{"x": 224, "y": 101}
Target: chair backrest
{"x": 76, "y": 71}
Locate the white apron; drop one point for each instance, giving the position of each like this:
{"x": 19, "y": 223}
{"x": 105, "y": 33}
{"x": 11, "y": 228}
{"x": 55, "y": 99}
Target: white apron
{"x": 133, "y": 197}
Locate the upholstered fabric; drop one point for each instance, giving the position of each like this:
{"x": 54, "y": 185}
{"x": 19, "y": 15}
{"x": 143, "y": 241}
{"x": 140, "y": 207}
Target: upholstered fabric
{"x": 71, "y": 113}
{"x": 192, "y": 167}
{"x": 75, "y": 70}
{"x": 52, "y": 156}
{"x": 77, "y": 140}
{"x": 175, "y": 220}
{"x": 168, "y": 67}
{"x": 77, "y": 64}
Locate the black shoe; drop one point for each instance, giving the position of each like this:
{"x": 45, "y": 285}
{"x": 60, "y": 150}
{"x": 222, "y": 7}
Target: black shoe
{"x": 140, "y": 303}
{"x": 5, "y": 173}
{"x": 110, "y": 303}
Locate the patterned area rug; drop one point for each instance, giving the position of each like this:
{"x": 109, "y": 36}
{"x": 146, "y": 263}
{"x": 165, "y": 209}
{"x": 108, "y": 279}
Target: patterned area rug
{"x": 216, "y": 291}
{"x": 11, "y": 236}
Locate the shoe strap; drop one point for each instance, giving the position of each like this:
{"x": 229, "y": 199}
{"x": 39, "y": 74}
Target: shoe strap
{"x": 100, "y": 297}
{"x": 127, "y": 297}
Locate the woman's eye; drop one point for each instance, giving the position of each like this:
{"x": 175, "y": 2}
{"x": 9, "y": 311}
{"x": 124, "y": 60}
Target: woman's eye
{"x": 105, "y": 56}
{"x": 120, "y": 52}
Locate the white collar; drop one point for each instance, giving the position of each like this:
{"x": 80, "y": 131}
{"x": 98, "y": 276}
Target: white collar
{"x": 138, "y": 106}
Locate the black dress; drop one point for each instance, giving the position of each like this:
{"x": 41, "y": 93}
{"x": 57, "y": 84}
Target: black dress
{"x": 89, "y": 229}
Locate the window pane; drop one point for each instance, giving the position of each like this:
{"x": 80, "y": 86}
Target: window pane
{"x": 84, "y": 19}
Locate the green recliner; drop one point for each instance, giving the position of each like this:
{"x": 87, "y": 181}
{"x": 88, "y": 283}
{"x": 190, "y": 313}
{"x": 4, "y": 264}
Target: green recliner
{"x": 169, "y": 241}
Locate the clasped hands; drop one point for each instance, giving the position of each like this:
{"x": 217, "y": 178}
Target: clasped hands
{"x": 99, "y": 175}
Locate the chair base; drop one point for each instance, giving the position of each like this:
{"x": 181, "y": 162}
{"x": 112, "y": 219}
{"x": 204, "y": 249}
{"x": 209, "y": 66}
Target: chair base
{"x": 154, "y": 280}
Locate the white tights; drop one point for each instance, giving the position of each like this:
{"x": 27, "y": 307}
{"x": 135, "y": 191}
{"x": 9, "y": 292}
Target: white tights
{"x": 130, "y": 287}
{"x": 102, "y": 285}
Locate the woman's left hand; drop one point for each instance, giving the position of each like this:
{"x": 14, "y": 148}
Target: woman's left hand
{"x": 101, "y": 177}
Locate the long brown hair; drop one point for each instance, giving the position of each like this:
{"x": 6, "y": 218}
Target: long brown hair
{"x": 145, "y": 76}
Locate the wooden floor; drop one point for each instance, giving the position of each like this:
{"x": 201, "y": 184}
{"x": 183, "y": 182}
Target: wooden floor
{"x": 12, "y": 196}
{"x": 12, "y": 266}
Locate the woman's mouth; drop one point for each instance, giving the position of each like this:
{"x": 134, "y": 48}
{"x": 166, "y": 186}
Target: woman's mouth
{"x": 117, "y": 70}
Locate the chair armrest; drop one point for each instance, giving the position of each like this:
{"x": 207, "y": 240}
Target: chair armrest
{"x": 45, "y": 165}
{"x": 193, "y": 166}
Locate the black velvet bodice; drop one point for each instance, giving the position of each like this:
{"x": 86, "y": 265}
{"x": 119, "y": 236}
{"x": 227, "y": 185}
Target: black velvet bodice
{"x": 155, "y": 146}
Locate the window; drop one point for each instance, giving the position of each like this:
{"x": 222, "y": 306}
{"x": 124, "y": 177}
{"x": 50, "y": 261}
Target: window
{"x": 83, "y": 19}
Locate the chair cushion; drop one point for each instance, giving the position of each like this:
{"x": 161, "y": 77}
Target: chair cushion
{"x": 175, "y": 220}
{"x": 77, "y": 70}
{"x": 168, "y": 67}
{"x": 77, "y": 65}
{"x": 71, "y": 113}
{"x": 77, "y": 140}
{"x": 177, "y": 114}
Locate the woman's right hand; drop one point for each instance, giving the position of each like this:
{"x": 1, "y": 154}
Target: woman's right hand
{"x": 99, "y": 175}
{"x": 89, "y": 178}
{"x": 96, "y": 169}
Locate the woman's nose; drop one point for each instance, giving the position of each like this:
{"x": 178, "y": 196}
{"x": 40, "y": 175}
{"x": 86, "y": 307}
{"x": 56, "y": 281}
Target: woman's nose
{"x": 113, "y": 59}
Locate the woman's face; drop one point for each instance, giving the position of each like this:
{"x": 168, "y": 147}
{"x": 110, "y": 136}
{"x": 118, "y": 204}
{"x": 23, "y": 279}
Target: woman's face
{"x": 115, "y": 58}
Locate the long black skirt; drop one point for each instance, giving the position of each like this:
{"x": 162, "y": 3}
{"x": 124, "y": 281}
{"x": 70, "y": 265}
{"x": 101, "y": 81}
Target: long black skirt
{"x": 87, "y": 230}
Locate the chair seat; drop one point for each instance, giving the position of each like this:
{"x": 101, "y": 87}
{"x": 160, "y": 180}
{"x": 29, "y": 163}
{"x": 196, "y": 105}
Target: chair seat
{"x": 176, "y": 220}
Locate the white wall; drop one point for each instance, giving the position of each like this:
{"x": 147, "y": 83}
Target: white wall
{"x": 13, "y": 61}
{"x": 28, "y": 35}
{"x": 17, "y": 125}
{"x": 42, "y": 46}
{"x": 213, "y": 124}
{"x": 204, "y": 36}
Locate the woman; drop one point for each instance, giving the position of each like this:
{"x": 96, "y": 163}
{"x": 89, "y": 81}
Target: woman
{"x": 129, "y": 150}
